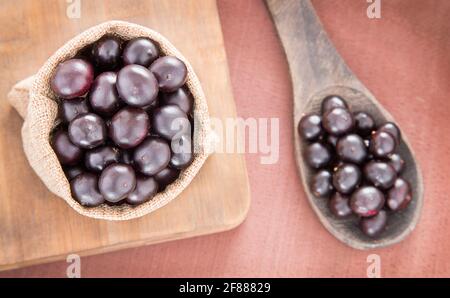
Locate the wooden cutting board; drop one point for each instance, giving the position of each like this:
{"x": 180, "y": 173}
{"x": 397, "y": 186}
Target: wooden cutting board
{"x": 35, "y": 225}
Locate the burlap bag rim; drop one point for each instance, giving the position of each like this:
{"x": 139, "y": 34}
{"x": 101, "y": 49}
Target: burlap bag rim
{"x": 42, "y": 112}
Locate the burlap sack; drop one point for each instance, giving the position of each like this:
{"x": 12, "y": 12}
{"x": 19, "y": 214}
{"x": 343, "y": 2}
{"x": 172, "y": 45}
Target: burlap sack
{"x": 34, "y": 101}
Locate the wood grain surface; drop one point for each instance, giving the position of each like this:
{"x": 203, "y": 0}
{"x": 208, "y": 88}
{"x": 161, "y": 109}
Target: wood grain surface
{"x": 326, "y": 73}
{"x": 403, "y": 59}
{"x": 36, "y": 226}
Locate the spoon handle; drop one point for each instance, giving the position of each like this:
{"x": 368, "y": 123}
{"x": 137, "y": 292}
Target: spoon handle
{"x": 313, "y": 61}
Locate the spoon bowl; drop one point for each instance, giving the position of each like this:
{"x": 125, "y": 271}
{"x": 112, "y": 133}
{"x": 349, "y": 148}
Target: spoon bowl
{"x": 318, "y": 71}
{"x": 400, "y": 224}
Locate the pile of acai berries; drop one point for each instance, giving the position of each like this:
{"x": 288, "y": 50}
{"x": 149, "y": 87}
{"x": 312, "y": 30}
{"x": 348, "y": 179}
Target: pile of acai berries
{"x": 125, "y": 121}
{"x": 357, "y": 166}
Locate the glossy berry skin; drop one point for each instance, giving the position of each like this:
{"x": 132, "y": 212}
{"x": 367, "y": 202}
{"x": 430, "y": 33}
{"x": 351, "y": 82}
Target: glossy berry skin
{"x": 140, "y": 51}
{"x": 65, "y": 150}
{"x": 96, "y": 160}
{"x": 129, "y": 127}
{"x": 364, "y": 123}
{"x": 87, "y": 131}
{"x": 103, "y": 97}
{"x": 339, "y": 205}
{"x": 182, "y": 152}
{"x": 170, "y": 72}
{"x": 338, "y": 121}
{"x": 317, "y": 155}
{"x": 106, "y": 52}
{"x": 382, "y": 144}
{"x": 152, "y": 156}
{"x": 331, "y": 102}
{"x": 72, "y": 78}
{"x": 70, "y": 109}
{"x": 399, "y": 196}
{"x": 397, "y": 162}
{"x": 380, "y": 174}
{"x": 180, "y": 97}
{"x": 166, "y": 177}
{"x": 351, "y": 148}
{"x": 137, "y": 86}
{"x": 116, "y": 182}
{"x": 367, "y": 201}
{"x": 170, "y": 121}
{"x": 310, "y": 127}
{"x": 392, "y": 129}
{"x": 375, "y": 225}
{"x": 85, "y": 190}
{"x": 346, "y": 178}
{"x": 321, "y": 185}
{"x": 146, "y": 188}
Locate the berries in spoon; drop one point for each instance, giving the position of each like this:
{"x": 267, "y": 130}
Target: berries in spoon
{"x": 338, "y": 121}
{"x": 331, "y": 102}
{"x": 375, "y": 225}
{"x": 340, "y": 205}
{"x": 321, "y": 184}
{"x": 317, "y": 155}
{"x": 310, "y": 127}
{"x": 361, "y": 157}
{"x": 367, "y": 201}
{"x": 351, "y": 148}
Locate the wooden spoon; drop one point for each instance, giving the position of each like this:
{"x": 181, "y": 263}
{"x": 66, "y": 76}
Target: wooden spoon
{"x": 317, "y": 70}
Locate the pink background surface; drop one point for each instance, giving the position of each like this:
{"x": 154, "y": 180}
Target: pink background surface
{"x": 403, "y": 59}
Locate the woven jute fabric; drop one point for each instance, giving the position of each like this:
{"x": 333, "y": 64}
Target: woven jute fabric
{"x": 36, "y": 103}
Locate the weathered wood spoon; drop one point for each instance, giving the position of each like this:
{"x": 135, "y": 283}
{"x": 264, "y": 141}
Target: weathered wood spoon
{"x": 317, "y": 70}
